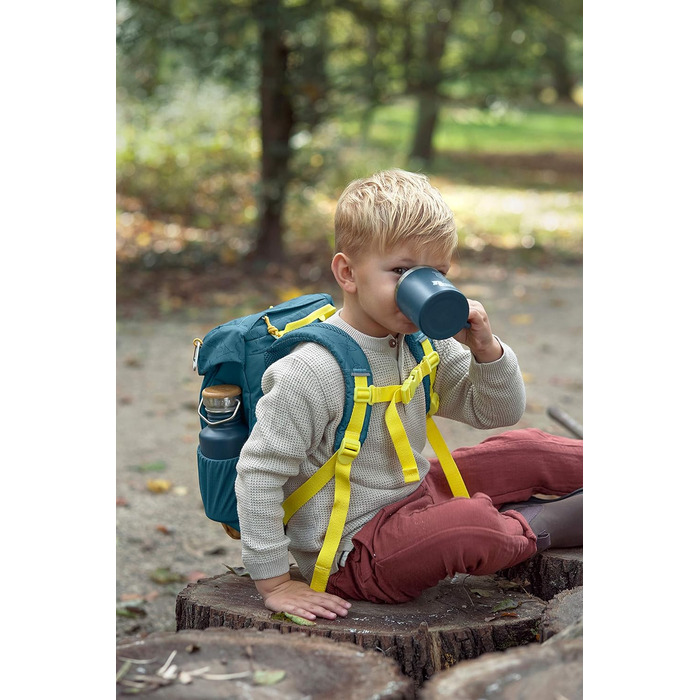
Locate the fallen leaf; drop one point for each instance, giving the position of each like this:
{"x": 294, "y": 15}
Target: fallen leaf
{"x": 238, "y": 570}
{"x": 521, "y": 319}
{"x": 283, "y": 616}
{"x": 290, "y": 293}
{"x": 164, "y": 575}
{"x": 481, "y": 592}
{"x": 164, "y": 529}
{"x": 131, "y": 610}
{"x": 159, "y": 485}
{"x": 150, "y": 467}
{"x": 122, "y": 502}
{"x": 507, "y": 604}
{"x": 268, "y": 677}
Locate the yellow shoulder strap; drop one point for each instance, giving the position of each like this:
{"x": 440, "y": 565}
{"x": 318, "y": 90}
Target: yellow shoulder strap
{"x": 442, "y": 452}
{"x": 437, "y": 442}
{"x": 339, "y": 466}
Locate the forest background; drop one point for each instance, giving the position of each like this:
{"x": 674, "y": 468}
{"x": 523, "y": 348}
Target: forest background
{"x": 239, "y": 123}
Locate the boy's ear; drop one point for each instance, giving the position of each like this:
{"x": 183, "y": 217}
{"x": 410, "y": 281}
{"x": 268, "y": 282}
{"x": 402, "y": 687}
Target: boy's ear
{"x": 343, "y": 273}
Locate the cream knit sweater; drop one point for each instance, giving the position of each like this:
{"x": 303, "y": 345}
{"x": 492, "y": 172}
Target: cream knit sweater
{"x": 295, "y": 433}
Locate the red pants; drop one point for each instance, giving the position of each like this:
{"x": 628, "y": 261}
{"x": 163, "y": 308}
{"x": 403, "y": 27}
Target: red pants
{"x": 411, "y": 545}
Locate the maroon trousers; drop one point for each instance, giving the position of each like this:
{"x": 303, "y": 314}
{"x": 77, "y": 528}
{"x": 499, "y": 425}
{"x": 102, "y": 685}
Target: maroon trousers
{"x": 411, "y": 545}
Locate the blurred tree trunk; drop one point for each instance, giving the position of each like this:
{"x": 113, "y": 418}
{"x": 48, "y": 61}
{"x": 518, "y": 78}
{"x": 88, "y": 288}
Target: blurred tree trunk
{"x": 276, "y": 124}
{"x": 427, "y": 88}
{"x": 426, "y": 121}
{"x": 555, "y": 57}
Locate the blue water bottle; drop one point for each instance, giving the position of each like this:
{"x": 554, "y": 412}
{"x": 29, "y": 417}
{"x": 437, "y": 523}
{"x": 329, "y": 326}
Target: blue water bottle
{"x": 225, "y": 431}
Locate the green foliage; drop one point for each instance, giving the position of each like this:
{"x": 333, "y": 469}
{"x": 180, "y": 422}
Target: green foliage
{"x": 192, "y": 158}
{"x": 512, "y": 176}
{"x": 188, "y": 130}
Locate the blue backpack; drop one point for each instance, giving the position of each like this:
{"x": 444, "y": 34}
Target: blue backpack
{"x": 238, "y": 352}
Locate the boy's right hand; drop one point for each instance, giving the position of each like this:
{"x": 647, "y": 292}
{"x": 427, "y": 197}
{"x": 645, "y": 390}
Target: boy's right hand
{"x": 282, "y": 594}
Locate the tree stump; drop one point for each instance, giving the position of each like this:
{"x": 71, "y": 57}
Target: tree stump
{"x": 549, "y": 573}
{"x": 563, "y": 611}
{"x": 221, "y": 663}
{"x": 549, "y": 671}
{"x": 458, "y": 619}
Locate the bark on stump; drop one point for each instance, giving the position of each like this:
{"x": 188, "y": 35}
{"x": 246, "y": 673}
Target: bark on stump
{"x": 270, "y": 667}
{"x": 550, "y": 671}
{"x": 562, "y": 612}
{"x": 460, "y": 618}
{"x": 549, "y": 573}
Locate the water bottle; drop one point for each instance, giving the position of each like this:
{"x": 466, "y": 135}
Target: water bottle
{"x": 225, "y": 431}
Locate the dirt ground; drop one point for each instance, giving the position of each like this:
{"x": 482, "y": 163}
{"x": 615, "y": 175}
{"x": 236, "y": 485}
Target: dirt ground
{"x": 164, "y": 539}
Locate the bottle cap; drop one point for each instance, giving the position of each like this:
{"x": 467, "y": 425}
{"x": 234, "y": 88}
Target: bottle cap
{"x": 221, "y": 398}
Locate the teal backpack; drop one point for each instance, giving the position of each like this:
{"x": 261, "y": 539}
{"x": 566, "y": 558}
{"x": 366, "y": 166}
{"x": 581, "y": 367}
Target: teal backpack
{"x": 238, "y": 352}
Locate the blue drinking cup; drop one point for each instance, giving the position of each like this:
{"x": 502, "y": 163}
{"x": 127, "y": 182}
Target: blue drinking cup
{"x": 432, "y": 302}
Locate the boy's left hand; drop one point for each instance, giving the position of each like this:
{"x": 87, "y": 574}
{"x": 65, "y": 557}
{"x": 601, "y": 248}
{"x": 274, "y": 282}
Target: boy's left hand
{"x": 479, "y": 338}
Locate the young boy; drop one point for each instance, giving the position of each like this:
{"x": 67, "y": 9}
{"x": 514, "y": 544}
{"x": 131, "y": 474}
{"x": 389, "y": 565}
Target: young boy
{"x": 399, "y": 538}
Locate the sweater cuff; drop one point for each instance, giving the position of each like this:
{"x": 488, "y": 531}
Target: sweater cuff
{"x": 493, "y": 362}
{"x": 502, "y": 368}
{"x": 261, "y": 570}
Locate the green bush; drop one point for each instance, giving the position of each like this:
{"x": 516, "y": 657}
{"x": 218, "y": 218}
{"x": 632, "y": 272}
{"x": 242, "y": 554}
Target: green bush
{"x": 192, "y": 157}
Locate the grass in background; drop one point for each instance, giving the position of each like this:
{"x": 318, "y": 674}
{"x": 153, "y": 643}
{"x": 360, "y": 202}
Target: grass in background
{"x": 500, "y": 129}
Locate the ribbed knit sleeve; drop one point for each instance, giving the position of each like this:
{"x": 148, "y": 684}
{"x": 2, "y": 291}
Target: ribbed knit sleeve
{"x": 483, "y": 395}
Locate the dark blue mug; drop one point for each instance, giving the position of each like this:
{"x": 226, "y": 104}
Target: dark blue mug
{"x": 432, "y": 302}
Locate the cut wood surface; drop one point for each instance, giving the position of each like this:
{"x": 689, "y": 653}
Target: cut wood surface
{"x": 549, "y": 573}
{"x": 460, "y": 618}
{"x": 552, "y": 671}
{"x": 222, "y": 663}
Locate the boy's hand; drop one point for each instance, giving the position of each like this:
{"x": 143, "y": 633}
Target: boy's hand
{"x": 479, "y": 338}
{"x": 282, "y": 594}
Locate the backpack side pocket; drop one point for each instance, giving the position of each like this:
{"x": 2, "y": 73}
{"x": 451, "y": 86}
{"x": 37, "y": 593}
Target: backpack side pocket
{"x": 217, "y": 480}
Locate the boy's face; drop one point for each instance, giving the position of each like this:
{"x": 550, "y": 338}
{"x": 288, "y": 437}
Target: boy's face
{"x": 369, "y": 304}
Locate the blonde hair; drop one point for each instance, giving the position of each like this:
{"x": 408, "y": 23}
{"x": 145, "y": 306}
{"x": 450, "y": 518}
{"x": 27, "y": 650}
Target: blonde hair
{"x": 392, "y": 208}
